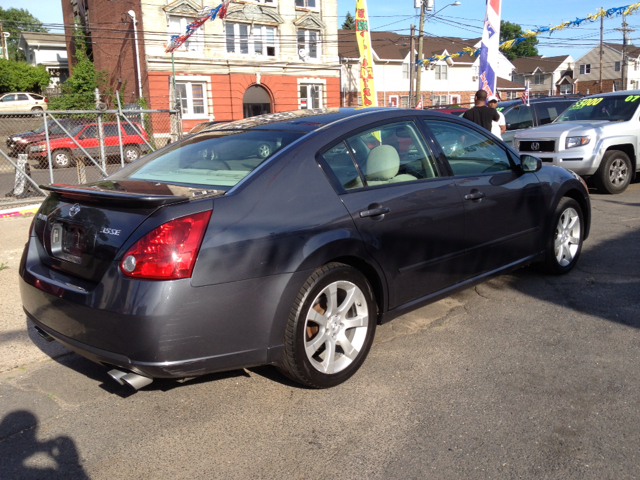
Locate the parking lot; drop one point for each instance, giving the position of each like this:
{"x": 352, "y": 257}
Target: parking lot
{"x": 523, "y": 376}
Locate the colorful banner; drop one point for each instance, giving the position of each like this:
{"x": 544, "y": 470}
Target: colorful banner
{"x": 205, "y": 14}
{"x": 490, "y": 48}
{"x": 610, "y": 13}
{"x": 367, "y": 89}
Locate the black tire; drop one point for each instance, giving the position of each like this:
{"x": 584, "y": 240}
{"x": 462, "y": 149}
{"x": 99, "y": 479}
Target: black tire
{"x": 36, "y": 111}
{"x": 353, "y": 293}
{"x": 61, "y": 158}
{"x": 562, "y": 249}
{"x": 131, "y": 153}
{"x": 614, "y": 174}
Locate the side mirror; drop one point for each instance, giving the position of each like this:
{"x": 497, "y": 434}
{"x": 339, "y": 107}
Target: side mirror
{"x": 530, "y": 163}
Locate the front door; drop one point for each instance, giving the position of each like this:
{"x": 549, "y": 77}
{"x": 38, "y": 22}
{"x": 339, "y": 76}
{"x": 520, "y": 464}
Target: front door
{"x": 504, "y": 208}
{"x": 410, "y": 218}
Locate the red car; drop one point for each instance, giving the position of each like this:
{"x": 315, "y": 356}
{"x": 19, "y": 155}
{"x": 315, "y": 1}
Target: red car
{"x": 64, "y": 151}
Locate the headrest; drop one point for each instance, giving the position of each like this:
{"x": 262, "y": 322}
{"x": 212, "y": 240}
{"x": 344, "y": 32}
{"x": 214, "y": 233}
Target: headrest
{"x": 382, "y": 164}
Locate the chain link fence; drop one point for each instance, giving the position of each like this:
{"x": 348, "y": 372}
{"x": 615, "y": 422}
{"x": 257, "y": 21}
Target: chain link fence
{"x": 75, "y": 147}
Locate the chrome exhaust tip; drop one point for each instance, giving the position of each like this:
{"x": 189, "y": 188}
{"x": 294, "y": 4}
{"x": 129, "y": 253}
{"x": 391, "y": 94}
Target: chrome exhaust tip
{"x": 136, "y": 381}
{"x": 117, "y": 375}
{"x": 44, "y": 334}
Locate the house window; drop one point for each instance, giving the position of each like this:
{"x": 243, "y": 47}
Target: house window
{"x": 308, "y": 42}
{"x": 538, "y": 79}
{"x": 441, "y": 72}
{"x": 616, "y": 67}
{"x": 393, "y": 101}
{"x": 405, "y": 71}
{"x": 566, "y": 89}
{"x": 178, "y": 26}
{"x": 439, "y": 100}
{"x": 585, "y": 68}
{"x": 511, "y": 95}
{"x": 404, "y": 101}
{"x": 616, "y": 85}
{"x": 192, "y": 98}
{"x": 306, "y": 3}
{"x": 259, "y": 40}
{"x": 310, "y": 96}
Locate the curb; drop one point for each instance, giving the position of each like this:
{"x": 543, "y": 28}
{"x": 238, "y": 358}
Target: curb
{"x": 20, "y": 211}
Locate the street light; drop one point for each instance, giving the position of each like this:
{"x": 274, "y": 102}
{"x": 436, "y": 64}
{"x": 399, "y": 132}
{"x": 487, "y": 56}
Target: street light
{"x": 419, "y": 72}
{"x": 132, "y": 14}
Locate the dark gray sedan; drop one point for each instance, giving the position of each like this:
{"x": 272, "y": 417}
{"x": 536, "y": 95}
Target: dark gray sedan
{"x": 185, "y": 263}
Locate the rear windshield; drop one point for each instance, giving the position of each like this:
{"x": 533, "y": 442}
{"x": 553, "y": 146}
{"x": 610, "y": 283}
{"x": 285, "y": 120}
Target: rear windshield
{"x": 614, "y": 108}
{"x": 220, "y": 158}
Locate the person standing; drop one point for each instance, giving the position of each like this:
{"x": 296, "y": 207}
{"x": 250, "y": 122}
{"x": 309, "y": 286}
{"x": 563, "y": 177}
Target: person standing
{"x": 499, "y": 127}
{"x": 480, "y": 114}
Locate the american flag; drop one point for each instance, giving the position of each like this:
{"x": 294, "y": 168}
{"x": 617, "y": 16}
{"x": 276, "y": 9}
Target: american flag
{"x": 525, "y": 95}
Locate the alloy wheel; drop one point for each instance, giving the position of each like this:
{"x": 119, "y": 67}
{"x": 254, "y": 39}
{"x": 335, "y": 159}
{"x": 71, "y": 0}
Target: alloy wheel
{"x": 567, "y": 237}
{"x": 618, "y": 172}
{"x": 336, "y": 327}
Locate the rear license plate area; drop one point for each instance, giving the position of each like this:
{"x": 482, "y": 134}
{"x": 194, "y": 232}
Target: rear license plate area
{"x": 71, "y": 241}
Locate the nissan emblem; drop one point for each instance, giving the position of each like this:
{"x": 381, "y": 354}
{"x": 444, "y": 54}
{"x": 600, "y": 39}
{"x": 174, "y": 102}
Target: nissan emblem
{"x": 73, "y": 210}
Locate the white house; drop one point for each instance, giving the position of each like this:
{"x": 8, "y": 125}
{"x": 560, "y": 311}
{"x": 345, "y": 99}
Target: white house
{"x": 48, "y": 49}
{"x": 453, "y": 81}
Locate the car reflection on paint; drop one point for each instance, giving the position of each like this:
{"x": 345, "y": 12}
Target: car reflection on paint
{"x": 225, "y": 259}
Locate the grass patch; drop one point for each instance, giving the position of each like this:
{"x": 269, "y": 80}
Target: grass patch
{"x": 3, "y": 266}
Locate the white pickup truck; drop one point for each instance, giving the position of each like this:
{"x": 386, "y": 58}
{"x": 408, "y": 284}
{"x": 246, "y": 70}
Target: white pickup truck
{"x": 598, "y": 136}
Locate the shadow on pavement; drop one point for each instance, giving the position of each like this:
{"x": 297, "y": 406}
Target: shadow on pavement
{"x": 25, "y": 457}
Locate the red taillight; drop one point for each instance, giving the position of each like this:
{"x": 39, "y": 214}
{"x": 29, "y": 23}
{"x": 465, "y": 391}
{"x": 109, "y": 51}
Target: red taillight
{"x": 169, "y": 251}
{"x": 46, "y": 100}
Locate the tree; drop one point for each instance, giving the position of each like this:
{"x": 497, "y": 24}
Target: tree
{"x": 21, "y": 77}
{"x": 78, "y": 89}
{"x": 349, "y": 22}
{"x": 14, "y": 21}
{"x": 509, "y": 31}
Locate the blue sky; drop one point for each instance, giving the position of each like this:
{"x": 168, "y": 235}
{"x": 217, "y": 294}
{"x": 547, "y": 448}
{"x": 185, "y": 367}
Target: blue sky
{"x": 461, "y": 21}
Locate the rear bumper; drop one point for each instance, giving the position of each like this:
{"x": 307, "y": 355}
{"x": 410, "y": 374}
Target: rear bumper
{"x": 160, "y": 329}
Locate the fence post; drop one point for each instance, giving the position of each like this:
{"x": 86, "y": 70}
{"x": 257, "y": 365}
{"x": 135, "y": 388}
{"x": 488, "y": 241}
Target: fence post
{"x": 46, "y": 135}
{"x": 119, "y": 128}
{"x": 100, "y": 131}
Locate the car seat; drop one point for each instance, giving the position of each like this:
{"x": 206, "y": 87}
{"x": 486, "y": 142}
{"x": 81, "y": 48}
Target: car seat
{"x": 382, "y": 166}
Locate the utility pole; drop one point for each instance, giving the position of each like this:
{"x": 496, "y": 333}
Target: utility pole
{"x": 412, "y": 64}
{"x": 419, "y": 71}
{"x": 601, "y": 51}
{"x": 625, "y": 41}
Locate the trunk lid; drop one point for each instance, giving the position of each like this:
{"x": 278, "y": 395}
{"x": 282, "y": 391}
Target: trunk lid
{"x": 81, "y": 229}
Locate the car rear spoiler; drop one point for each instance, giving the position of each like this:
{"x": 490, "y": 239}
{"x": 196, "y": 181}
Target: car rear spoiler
{"x": 95, "y": 194}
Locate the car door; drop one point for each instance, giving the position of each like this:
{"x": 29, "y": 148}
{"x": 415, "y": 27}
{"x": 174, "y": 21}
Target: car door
{"x": 504, "y": 208}
{"x": 410, "y": 217}
{"x": 518, "y": 117}
{"x": 111, "y": 138}
{"x": 7, "y": 103}
{"x": 88, "y": 139}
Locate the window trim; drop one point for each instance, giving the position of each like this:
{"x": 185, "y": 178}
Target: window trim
{"x": 318, "y": 57}
{"x": 251, "y": 40}
{"x": 204, "y": 81}
{"x": 441, "y": 71}
{"x": 306, "y": 7}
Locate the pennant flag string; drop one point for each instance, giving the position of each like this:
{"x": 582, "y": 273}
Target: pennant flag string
{"x": 202, "y": 16}
{"x": 601, "y": 13}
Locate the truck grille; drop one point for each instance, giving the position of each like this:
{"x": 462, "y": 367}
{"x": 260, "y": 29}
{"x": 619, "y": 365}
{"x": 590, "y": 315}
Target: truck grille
{"x": 538, "y": 146}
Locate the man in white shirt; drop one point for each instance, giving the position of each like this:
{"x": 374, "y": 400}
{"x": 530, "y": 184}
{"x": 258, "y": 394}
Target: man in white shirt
{"x": 499, "y": 127}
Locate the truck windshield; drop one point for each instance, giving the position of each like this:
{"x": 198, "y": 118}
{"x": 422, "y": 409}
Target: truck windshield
{"x": 614, "y": 108}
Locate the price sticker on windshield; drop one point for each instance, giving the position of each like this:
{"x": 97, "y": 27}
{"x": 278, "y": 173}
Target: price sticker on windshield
{"x": 587, "y": 102}
{"x": 632, "y": 98}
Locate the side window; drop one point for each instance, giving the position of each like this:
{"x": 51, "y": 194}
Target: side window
{"x": 392, "y": 153}
{"x": 110, "y": 130}
{"x": 8, "y": 98}
{"x": 129, "y": 130}
{"x": 548, "y": 112}
{"x": 469, "y": 152}
{"x": 519, "y": 117}
{"x": 90, "y": 132}
{"x": 342, "y": 165}
{"x": 22, "y": 96}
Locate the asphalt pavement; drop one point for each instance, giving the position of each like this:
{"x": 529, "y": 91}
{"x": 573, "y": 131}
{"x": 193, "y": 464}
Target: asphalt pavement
{"x": 524, "y": 376}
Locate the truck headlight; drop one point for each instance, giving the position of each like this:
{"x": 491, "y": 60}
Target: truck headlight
{"x": 516, "y": 144}
{"x": 577, "y": 141}
{"x": 38, "y": 148}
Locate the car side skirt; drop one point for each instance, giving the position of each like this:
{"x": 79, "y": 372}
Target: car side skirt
{"x": 446, "y": 292}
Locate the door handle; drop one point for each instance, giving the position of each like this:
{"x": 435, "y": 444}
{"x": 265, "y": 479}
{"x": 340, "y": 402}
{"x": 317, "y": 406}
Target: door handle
{"x": 374, "y": 212}
{"x": 474, "y": 195}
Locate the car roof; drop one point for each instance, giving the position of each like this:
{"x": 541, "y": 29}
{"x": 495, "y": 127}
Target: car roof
{"x": 303, "y": 121}
{"x": 553, "y": 98}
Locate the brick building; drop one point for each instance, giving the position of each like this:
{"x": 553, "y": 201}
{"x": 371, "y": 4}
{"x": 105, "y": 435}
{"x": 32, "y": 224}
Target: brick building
{"x": 266, "y": 56}
{"x": 453, "y": 81}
